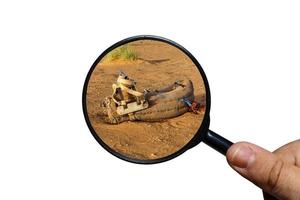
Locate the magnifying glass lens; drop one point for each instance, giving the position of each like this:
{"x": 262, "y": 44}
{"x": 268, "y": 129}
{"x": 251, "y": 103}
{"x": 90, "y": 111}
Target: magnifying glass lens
{"x": 145, "y": 100}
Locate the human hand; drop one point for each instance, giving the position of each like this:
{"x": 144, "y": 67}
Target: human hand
{"x": 277, "y": 173}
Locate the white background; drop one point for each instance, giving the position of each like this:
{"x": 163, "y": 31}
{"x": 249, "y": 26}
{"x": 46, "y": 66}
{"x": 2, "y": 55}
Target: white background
{"x": 248, "y": 49}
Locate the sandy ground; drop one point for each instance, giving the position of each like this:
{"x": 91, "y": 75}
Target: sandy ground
{"x": 157, "y": 66}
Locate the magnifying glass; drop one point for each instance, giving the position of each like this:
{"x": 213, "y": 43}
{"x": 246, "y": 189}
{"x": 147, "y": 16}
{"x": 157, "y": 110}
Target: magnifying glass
{"x": 146, "y": 100}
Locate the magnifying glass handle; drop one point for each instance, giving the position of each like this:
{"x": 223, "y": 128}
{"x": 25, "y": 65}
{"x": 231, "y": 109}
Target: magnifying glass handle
{"x": 217, "y": 142}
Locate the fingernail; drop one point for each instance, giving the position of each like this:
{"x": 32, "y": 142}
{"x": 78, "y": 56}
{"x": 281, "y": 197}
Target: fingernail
{"x": 241, "y": 156}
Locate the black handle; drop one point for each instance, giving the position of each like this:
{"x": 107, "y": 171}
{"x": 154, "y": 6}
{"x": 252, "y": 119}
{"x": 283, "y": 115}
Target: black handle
{"x": 217, "y": 142}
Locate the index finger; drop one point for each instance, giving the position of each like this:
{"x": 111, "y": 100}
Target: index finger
{"x": 290, "y": 153}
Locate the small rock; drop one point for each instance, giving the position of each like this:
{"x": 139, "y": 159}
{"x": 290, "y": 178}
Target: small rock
{"x": 153, "y": 155}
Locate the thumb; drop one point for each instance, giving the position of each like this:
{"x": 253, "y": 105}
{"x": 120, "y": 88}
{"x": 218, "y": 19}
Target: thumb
{"x": 265, "y": 169}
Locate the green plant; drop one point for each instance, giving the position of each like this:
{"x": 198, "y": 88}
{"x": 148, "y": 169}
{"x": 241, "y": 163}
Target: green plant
{"x": 123, "y": 52}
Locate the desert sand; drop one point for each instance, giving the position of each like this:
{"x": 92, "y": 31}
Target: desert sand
{"x": 158, "y": 65}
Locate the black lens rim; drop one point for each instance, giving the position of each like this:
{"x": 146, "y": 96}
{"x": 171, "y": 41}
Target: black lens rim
{"x": 197, "y": 137}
